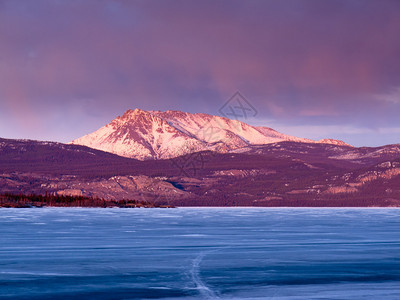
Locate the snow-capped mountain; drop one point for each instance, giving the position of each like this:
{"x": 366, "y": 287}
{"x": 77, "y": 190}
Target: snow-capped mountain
{"x": 159, "y": 135}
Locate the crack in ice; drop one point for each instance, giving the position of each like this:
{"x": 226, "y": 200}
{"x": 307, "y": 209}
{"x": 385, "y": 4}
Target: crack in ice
{"x": 203, "y": 289}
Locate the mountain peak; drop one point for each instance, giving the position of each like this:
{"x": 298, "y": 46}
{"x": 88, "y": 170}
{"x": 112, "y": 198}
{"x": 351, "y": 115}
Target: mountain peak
{"x": 131, "y": 113}
{"x": 144, "y": 135}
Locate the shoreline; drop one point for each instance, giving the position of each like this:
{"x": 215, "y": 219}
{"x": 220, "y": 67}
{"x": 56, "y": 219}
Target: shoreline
{"x": 212, "y": 207}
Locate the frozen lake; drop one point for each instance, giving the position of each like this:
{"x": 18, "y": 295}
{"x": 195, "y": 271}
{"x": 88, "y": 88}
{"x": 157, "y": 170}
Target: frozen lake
{"x": 199, "y": 253}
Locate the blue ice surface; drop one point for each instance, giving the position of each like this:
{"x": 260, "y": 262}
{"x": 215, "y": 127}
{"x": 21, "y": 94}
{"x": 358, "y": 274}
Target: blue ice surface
{"x": 199, "y": 253}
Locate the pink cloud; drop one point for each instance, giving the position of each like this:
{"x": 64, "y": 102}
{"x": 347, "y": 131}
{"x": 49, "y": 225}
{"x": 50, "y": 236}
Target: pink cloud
{"x": 296, "y": 60}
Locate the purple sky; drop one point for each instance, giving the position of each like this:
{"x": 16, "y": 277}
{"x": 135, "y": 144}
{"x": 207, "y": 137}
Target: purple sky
{"x": 311, "y": 68}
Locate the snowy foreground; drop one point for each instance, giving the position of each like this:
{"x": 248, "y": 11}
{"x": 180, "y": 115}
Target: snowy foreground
{"x": 200, "y": 253}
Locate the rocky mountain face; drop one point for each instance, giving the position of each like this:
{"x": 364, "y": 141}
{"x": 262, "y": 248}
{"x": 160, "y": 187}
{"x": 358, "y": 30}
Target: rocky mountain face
{"x": 161, "y": 135}
{"x": 288, "y": 173}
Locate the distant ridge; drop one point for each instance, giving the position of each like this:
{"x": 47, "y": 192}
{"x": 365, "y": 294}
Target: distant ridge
{"x": 287, "y": 173}
{"x": 146, "y": 135}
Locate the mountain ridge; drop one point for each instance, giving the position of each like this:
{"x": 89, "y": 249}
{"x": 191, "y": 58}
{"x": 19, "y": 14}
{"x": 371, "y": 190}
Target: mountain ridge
{"x": 280, "y": 174}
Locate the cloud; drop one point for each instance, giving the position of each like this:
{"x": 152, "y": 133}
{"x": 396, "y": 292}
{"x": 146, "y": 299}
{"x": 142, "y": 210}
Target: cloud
{"x": 392, "y": 97}
{"x": 304, "y": 62}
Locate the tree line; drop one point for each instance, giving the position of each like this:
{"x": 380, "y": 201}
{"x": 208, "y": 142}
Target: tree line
{"x": 54, "y": 200}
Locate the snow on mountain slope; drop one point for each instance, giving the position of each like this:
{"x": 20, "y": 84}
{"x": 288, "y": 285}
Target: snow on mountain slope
{"x": 282, "y": 137}
{"x": 212, "y": 129}
{"x": 157, "y": 135}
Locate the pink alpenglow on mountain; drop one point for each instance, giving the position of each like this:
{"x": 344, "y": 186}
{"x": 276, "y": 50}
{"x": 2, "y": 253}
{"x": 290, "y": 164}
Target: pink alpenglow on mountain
{"x": 159, "y": 135}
